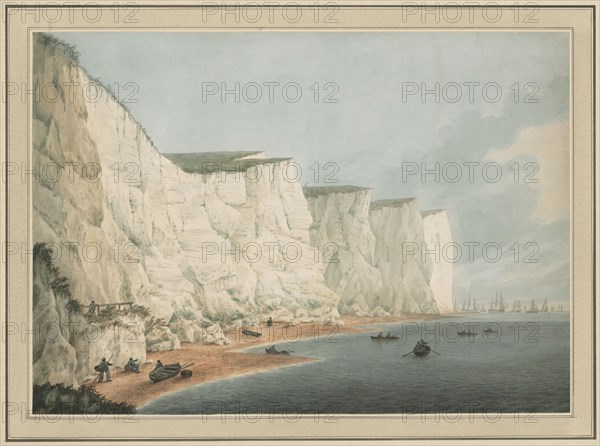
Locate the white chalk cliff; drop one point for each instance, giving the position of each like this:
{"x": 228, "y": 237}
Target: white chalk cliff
{"x": 399, "y": 235}
{"x": 375, "y": 252}
{"x": 194, "y": 249}
{"x": 438, "y": 240}
{"x": 200, "y": 241}
{"x": 341, "y": 230}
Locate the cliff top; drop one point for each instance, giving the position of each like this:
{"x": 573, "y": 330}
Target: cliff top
{"x": 393, "y": 203}
{"x": 67, "y": 49}
{"x": 313, "y": 191}
{"x": 432, "y": 212}
{"x": 211, "y": 162}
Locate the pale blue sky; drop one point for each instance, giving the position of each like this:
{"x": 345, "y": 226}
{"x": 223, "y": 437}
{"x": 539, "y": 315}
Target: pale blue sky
{"x": 370, "y": 132}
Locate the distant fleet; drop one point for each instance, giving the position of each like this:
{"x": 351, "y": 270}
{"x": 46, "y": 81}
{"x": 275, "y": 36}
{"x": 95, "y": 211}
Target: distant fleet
{"x": 498, "y": 305}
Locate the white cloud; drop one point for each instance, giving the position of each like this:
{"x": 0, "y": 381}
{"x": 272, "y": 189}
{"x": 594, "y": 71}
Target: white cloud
{"x": 549, "y": 146}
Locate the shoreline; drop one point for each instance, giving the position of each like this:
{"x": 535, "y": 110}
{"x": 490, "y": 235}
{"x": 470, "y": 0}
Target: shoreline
{"x": 215, "y": 362}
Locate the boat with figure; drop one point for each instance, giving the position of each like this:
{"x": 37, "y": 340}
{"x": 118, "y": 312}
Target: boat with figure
{"x": 490, "y": 330}
{"x": 273, "y": 351}
{"x": 381, "y": 337}
{"x": 466, "y": 333}
{"x": 170, "y": 371}
{"x": 421, "y": 349}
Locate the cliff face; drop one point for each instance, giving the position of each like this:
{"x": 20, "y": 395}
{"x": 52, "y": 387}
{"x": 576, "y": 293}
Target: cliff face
{"x": 128, "y": 225}
{"x": 341, "y": 229}
{"x": 374, "y": 251}
{"x": 67, "y": 345}
{"x": 399, "y": 235}
{"x": 437, "y": 238}
{"x": 198, "y": 241}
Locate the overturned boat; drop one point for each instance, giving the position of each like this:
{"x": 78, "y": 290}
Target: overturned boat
{"x": 247, "y": 332}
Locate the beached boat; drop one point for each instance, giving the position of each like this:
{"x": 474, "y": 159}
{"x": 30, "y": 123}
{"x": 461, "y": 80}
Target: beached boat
{"x": 168, "y": 371}
{"x": 466, "y": 333}
{"x": 251, "y": 333}
{"x": 273, "y": 351}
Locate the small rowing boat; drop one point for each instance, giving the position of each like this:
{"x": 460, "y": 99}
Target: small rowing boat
{"x": 251, "y": 333}
{"x": 169, "y": 371}
{"x": 273, "y": 351}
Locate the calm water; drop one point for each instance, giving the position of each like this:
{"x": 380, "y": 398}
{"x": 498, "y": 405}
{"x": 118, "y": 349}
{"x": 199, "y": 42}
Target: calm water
{"x": 526, "y": 369}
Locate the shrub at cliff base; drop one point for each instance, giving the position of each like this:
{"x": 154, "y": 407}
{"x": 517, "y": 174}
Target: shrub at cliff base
{"x": 59, "y": 399}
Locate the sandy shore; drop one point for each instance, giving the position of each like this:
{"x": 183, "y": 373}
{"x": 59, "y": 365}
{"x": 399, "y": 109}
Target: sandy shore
{"x": 213, "y": 362}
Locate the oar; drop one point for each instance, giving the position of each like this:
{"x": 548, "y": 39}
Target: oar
{"x": 435, "y": 352}
{"x": 408, "y": 353}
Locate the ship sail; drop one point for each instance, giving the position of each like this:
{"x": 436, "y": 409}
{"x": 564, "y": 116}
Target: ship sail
{"x": 533, "y": 308}
{"x": 545, "y": 306}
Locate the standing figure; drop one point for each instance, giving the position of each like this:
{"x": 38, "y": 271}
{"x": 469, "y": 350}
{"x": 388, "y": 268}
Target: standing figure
{"x": 270, "y": 322}
{"x": 104, "y": 367}
{"x": 92, "y": 307}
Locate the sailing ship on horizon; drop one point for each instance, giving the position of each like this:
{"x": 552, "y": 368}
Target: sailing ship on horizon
{"x": 497, "y": 304}
{"x": 533, "y": 308}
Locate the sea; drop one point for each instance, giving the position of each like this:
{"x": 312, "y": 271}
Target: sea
{"x": 523, "y": 368}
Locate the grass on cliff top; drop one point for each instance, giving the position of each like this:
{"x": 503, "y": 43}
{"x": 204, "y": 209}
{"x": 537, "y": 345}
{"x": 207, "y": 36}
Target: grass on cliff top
{"x": 49, "y": 40}
{"x": 431, "y": 212}
{"x": 210, "y": 162}
{"x": 314, "y": 191}
{"x": 394, "y": 203}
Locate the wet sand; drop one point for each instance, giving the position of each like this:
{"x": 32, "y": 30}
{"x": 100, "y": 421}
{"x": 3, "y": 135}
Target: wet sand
{"x": 214, "y": 362}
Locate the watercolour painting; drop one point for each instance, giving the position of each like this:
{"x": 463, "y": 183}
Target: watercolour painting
{"x": 275, "y": 223}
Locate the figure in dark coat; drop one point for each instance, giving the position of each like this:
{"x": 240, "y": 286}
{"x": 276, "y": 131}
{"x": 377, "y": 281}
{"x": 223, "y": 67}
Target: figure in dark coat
{"x": 132, "y": 366}
{"x": 104, "y": 367}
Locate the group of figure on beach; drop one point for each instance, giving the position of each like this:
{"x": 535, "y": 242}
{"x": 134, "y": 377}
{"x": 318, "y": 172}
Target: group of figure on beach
{"x": 103, "y": 368}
